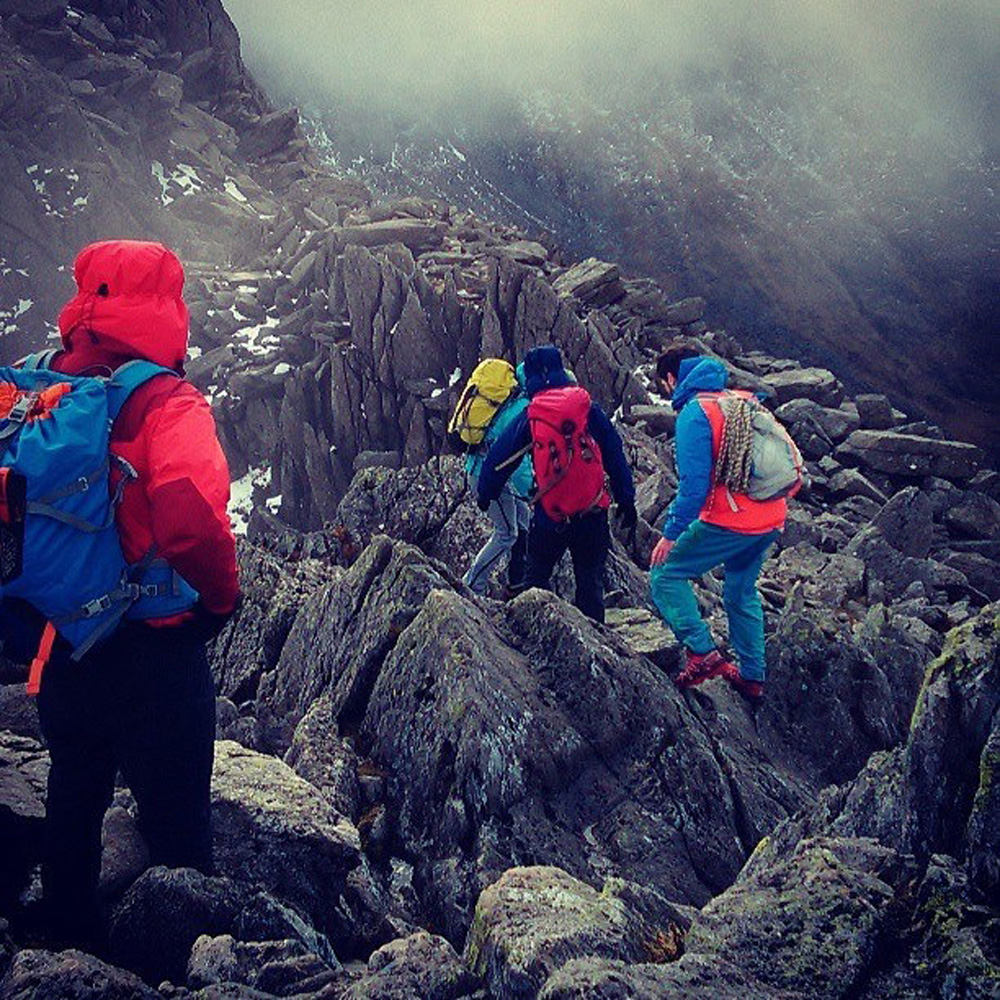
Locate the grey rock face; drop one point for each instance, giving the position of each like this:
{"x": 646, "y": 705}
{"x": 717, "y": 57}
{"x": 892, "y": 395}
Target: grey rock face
{"x": 275, "y": 830}
{"x": 160, "y": 917}
{"x": 534, "y": 920}
{"x": 816, "y": 384}
{"x": 833, "y": 892}
{"x": 421, "y": 965}
{"x": 910, "y": 455}
{"x": 875, "y": 412}
{"x": 23, "y": 774}
{"x": 74, "y": 975}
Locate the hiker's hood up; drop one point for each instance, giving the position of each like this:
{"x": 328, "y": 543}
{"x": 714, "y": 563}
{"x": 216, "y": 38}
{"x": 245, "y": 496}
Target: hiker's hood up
{"x": 129, "y": 300}
{"x": 543, "y": 369}
{"x": 698, "y": 375}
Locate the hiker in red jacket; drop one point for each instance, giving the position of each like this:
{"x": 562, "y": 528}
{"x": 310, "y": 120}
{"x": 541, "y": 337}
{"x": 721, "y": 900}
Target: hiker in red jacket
{"x": 143, "y": 701}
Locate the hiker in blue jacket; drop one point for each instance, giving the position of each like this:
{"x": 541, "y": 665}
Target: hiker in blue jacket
{"x": 709, "y": 525}
{"x": 587, "y": 534}
{"x": 509, "y": 511}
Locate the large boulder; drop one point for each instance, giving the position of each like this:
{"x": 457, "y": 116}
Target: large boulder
{"x": 275, "y": 830}
{"x": 533, "y": 920}
{"x": 910, "y": 455}
{"x": 163, "y": 913}
{"x": 70, "y": 975}
{"x": 817, "y": 384}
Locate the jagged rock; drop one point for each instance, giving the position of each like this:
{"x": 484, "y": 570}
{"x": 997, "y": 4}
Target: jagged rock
{"x": 416, "y": 234}
{"x": 421, "y": 965}
{"x": 524, "y": 251}
{"x": 273, "y": 829}
{"x": 976, "y": 515}
{"x": 592, "y": 281}
{"x": 324, "y": 760}
{"x": 816, "y": 384}
{"x": 875, "y": 412}
{"x": 980, "y": 571}
{"x": 273, "y": 592}
{"x": 685, "y": 312}
{"x": 909, "y": 455}
{"x": 18, "y": 714}
{"x": 73, "y": 975}
{"x": 657, "y": 419}
{"x": 160, "y": 917}
{"x": 834, "y": 424}
{"x": 825, "y": 580}
{"x": 269, "y": 134}
{"x": 270, "y": 966}
{"x": 889, "y": 573}
{"x": 23, "y": 776}
{"x": 534, "y": 920}
{"x": 697, "y": 977}
{"x": 344, "y": 632}
{"x": 907, "y": 522}
{"x": 810, "y": 925}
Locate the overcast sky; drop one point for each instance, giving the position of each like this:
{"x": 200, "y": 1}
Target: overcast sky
{"x": 939, "y": 56}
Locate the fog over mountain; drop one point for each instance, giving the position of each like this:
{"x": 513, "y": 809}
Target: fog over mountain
{"x": 824, "y": 173}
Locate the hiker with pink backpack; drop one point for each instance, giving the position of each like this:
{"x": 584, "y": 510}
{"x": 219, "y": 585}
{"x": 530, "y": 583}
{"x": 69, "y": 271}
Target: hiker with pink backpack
{"x": 736, "y": 465}
{"x": 573, "y": 447}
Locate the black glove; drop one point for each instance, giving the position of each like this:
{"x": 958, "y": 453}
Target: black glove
{"x": 627, "y": 516}
{"x": 482, "y": 503}
{"x": 208, "y": 624}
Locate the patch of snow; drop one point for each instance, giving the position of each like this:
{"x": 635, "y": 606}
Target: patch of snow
{"x": 250, "y": 336}
{"x": 241, "y": 496}
{"x": 233, "y": 190}
{"x": 283, "y": 368}
{"x": 194, "y": 352}
{"x": 456, "y": 376}
{"x": 31, "y": 169}
{"x": 273, "y": 504}
{"x": 158, "y": 173}
{"x": 23, "y": 305}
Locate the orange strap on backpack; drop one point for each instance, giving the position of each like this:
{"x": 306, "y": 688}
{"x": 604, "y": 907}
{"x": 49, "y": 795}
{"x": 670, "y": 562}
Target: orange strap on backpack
{"x": 41, "y": 658}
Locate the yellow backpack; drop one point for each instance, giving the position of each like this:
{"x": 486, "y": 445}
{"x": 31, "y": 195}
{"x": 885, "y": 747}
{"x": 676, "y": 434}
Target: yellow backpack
{"x": 486, "y": 391}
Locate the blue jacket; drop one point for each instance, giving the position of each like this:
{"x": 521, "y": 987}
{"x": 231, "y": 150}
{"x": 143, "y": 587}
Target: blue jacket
{"x": 692, "y": 441}
{"x": 522, "y": 478}
{"x": 543, "y": 369}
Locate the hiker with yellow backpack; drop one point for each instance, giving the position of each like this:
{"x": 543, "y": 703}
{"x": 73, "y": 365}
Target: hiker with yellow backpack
{"x": 575, "y": 451}
{"x": 736, "y": 466}
{"x": 493, "y": 398}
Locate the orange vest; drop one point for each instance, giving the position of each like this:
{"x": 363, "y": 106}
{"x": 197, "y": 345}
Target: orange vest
{"x": 724, "y": 508}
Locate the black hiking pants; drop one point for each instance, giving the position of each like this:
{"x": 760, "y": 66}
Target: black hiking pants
{"x": 142, "y": 703}
{"x": 588, "y": 539}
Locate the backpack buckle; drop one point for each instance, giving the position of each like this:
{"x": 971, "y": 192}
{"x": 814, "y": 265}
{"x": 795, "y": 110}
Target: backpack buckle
{"x": 96, "y": 606}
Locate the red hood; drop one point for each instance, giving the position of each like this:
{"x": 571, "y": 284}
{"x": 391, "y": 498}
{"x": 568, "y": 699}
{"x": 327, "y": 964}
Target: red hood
{"x": 130, "y": 299}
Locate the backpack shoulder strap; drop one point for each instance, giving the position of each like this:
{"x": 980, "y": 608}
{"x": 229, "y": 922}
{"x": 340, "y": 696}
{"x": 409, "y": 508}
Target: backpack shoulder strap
{"x": 38, "y": 360}
{"x": 128, "y": 378}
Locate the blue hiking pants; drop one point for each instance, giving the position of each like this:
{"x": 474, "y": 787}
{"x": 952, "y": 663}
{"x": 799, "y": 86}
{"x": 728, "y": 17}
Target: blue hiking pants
{"x": 510, "y": 516}
{"x": 699, "y": 549}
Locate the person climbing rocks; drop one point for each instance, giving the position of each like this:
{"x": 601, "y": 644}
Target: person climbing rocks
{"x": 574, "y": 447}
{"x": 708, "y": 525}
{"x": 509, "y": 513}
{"x": 141, "y": 701}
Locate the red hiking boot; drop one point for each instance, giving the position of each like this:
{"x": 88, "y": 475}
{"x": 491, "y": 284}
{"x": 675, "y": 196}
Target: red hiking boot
{"x": 701, "y": 667}
{"x": 753, "y": 691}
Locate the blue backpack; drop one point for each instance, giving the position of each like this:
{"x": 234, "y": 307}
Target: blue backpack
{"x": 61, "y": 551}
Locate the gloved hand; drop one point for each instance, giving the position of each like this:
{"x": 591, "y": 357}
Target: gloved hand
{"x": 482, "y": 503}
{"x": 627, "y": 516}
{"x": 208, "y": 624}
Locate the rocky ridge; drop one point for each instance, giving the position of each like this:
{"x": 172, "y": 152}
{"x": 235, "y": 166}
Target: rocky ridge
{"x": 420, "y": 792}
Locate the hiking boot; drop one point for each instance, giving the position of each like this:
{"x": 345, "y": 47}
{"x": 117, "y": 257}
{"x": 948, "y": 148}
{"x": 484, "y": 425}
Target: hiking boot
{"x": 701, "y": 667}
{"x": 753, "y": 691}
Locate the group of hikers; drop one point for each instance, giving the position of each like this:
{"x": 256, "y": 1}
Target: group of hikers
{"x": 110, "y": 464}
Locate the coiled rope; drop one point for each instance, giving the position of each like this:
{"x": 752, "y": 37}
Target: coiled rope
{"x": 735, "y": 461}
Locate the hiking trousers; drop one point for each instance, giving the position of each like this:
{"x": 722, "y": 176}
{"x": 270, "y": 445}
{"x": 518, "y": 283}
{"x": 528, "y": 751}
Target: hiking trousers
{"x": 588, "y": 539}
{"x": 142, "y": 703}
{"x": 700, "y": 548}
{"x": 510, "y": 516}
